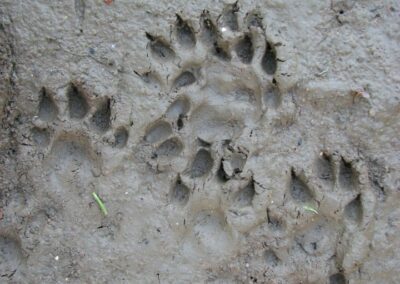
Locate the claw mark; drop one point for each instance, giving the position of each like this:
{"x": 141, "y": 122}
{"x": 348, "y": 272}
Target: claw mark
{"x": 209, "y": 32}
{"x": 229, "y": 17}
{"x": 184, "y": 32}
{"x": 160, "y": 48}
{"x": 254, "y": 20}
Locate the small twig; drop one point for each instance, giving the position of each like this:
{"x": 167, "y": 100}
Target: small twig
{"x": 322, "y": 72}
{"x": 100, "y": 203}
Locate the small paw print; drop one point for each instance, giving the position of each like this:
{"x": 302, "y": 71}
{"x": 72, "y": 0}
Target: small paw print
{"x": 70, "y": 133}
{"x": 338, "y": 188}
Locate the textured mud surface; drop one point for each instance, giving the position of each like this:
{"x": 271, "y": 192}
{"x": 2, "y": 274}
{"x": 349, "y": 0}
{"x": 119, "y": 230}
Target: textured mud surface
{"x": 231, "y": 142}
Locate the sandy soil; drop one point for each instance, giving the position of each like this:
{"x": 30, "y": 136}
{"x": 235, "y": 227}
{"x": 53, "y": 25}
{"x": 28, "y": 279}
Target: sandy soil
{"x": 248, "y": 142}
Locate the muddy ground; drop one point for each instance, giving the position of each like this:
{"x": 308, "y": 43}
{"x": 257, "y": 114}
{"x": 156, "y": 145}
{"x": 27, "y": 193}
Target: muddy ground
{"x": 248, "y": 142}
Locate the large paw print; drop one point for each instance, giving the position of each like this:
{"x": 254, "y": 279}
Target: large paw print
{"x": 223, "y": 77}
{"x": 222, "y": 80}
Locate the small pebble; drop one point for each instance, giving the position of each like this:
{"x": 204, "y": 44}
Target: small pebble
{"x": 372, "y": 112}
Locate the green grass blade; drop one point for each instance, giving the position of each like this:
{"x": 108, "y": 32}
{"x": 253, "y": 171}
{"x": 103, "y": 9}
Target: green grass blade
{"x": 100, "y": 203}
{"x": 309, "y": 208}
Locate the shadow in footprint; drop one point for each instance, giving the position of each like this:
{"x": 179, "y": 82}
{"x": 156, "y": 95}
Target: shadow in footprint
{"x": 244, "y": 49}
{"x": 270, "y": 258}
{"x": 299, "y": 191}
{"x": 202, "y": 164}
{"x": 353, "y": 210}
{"x": 347, "y": 176}
{"x": 324, "y": 168}
{"x": 77, "y": 103}
{"x": 337, "y": 278}
{"x": 120, "y": 137}
{"x": 269, "y": 61}
{"x": 180, "y": 193}
{"x": 100, "y": 120}
{"x": 186, "y": 78}
{"x": 47, "y": 108}
{"x": 184, "y": 33}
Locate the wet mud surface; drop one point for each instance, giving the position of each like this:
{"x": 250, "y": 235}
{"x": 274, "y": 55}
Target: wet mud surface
{"x": 232, "y": 142}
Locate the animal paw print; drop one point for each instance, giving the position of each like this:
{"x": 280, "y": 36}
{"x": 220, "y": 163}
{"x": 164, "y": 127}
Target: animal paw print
{"x": 323, "y": 214}
{"x": 222, "y": 78}
{"x": 344, "y": 189}
{"x": 337, "y": 187}
{"x": 78, "y": 110}
{"x": 71, "y": 132}
{"x": 346, "y": 196}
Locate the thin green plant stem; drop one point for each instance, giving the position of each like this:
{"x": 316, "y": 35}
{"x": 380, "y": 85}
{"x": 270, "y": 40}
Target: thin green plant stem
{"x": 100, "y": 203}
{"x": 311, "y": 209}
